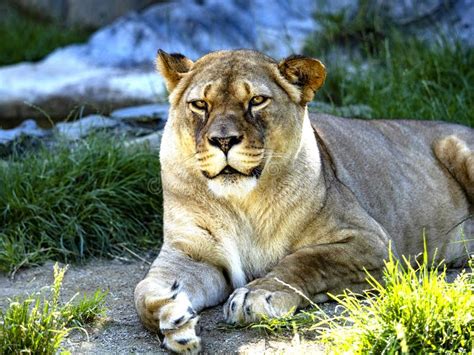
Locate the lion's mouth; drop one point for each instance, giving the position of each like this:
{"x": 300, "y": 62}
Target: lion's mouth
{"x": 230, "y": 172}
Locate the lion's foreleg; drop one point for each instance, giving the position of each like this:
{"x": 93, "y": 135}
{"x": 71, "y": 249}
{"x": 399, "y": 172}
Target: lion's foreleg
{"x": 310, "y": 272}
{"x": 174, "y": 290}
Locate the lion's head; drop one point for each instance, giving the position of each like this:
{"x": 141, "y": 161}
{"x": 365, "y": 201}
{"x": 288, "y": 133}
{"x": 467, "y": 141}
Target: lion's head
{"x": 233, "y": 111}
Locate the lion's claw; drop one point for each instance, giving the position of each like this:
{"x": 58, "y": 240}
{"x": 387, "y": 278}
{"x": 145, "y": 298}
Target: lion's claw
{"x": 246, "y": 305}
{"x": 184, "y": 339}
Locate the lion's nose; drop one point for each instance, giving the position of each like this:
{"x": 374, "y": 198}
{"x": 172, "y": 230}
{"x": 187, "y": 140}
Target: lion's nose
{"x": 224, "y": 143}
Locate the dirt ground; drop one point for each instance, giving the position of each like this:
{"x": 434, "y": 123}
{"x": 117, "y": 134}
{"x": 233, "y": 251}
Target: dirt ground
{"x": 121, "y": 332}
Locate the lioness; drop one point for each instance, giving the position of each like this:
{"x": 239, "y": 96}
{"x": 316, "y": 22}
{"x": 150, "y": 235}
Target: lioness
{"x": 259, "y": 195}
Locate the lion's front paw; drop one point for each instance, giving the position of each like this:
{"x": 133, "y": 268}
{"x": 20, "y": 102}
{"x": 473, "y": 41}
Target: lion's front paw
{"x": 169, "y": 310}
{"x": 246, "y": 305}
{"x": 178, "y": 321}
{"x": 183, "y": 340}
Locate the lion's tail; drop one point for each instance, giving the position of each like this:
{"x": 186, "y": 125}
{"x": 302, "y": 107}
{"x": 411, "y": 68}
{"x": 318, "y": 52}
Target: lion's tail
{"x": 459, "y": 160}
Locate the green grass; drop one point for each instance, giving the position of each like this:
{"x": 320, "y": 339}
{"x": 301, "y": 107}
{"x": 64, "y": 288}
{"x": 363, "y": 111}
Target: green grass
{"x": 88, "y": 309}
{"x": 371, "y": 63}
{"x": 416, "y": 311}
{"x": 97, "y": 198}
{"x": 25, "y": 39}
{"x": 39, "y": 323}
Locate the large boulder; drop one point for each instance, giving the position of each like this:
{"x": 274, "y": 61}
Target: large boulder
{"x": 64, "y": 81}
{"x": 115, "y": 68}
{"x": 430, "y": 17}
{"x": 84, "y": 13}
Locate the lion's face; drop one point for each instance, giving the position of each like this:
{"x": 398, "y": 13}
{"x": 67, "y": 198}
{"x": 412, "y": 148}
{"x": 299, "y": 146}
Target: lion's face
{"x": 235, "y": 111}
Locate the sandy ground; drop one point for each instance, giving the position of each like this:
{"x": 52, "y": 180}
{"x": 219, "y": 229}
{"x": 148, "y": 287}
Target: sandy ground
{"x": 121, "y": 332}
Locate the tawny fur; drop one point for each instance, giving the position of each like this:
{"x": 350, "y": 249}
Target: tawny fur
{"x": 316, "y": 204}
{"x": 459, "y": 160}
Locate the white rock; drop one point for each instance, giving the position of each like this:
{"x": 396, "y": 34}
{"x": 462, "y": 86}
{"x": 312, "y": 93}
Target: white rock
{"x": 62, "y": 82}
{"x": 152, "y": 141}
{"x": 84, "y": 126}
{"x": 27, "y": 128}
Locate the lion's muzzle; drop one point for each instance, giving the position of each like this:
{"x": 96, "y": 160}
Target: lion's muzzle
{"x": 227, "y": 152}
{"x": 224, "y": 143}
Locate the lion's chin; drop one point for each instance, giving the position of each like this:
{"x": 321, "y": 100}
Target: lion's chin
{"x": 232, "y": 185}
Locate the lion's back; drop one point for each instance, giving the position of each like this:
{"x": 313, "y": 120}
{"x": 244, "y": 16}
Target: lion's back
{"x": 390, "y": 167}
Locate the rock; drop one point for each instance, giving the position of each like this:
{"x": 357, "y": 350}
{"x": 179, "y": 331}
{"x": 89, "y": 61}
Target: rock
{"x": 429, "y": 18}
{"x": 407, "y": 11}
{"x": 142, "y": 114}
{"x": 26, "y": 128}
{"x": 153, "y": 141}
{"x": 458, "y": 19}
{"x": 26, "y": 137}
{"x": 135, "y": 125}
{"x": 84, "y": 126}
{"x": 64, "y": 81}
{"x": 115, "y": 68}
{"x": 198, "y": 27}
{"x": 85, "y": 13}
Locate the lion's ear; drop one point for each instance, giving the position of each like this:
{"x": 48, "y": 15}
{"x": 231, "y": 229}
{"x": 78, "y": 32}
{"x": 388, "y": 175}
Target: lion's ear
{"x": 307, "y": 73}
{"x": 172, "y": 66}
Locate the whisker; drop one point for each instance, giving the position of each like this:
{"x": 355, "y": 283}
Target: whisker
{"x": 275, "y": 155}
{"x": 247, "y": 154}
{"x": 250, "y": 162}
{"x": 204, "y": 158}
{"x": 188, "y": 158}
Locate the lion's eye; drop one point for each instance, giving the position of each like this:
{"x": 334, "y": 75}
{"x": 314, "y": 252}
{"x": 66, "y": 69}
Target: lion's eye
{"x": 258, "y": 100}
{"x": 199, "y": 105}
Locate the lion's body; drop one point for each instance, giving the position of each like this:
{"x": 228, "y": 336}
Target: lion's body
{"x": 255, "y": 191}
{"x": 391, "y": 168}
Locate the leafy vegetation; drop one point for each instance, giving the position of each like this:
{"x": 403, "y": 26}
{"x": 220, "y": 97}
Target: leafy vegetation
{"x": 26, "y": 39}
{"x": 39, "y": 323}
{"x": 67, "y": 203}
{"x": 392, "y": 73}
{"x": 416, "y": 311}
